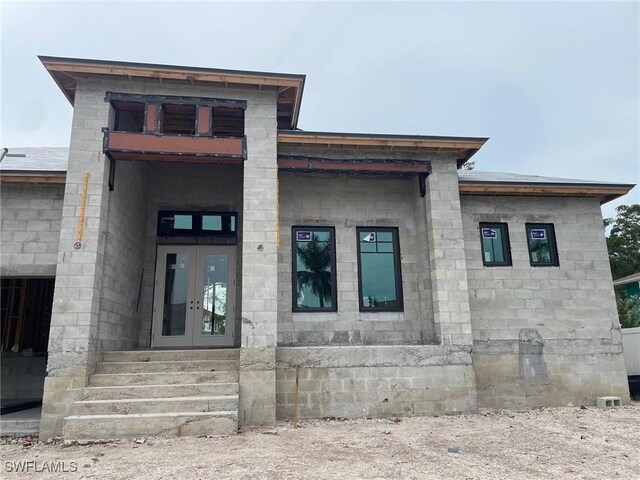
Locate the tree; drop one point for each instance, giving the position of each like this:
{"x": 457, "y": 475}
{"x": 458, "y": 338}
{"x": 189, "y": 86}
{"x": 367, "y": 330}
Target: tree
{"x": 317, "y": 259}
{"x": 623, "y": 241}
{"x": 628, "y": 310}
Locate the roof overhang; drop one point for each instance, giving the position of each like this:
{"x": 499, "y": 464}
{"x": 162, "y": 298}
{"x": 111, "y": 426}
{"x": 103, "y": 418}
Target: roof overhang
{"x": 605, "y": 192}
{"x": 464, "y": 147}
{"x": 65, "y": 71}
{"x": 34, "y": 177}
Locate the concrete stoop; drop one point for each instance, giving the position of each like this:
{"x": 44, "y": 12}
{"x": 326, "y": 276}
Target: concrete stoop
{"x": 158, "y": 393}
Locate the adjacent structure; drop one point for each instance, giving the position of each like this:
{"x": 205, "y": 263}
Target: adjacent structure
{"x": 216, "y": 265}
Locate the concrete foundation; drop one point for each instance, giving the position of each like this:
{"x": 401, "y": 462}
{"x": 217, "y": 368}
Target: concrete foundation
{"x": 372, "y": 381}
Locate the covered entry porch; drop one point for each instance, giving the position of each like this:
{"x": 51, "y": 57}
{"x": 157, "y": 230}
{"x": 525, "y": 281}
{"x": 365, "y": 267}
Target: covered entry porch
{"x": 182, "y": 254}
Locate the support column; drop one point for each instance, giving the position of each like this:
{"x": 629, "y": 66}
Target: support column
{"x": 259, "y": 264}
{"x": 74, "y": 320}
{"x": 449, "y": 288}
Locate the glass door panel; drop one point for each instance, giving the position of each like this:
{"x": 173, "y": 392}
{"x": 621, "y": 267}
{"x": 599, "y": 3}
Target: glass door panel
{"x": 214, "y": 290}
{"x": 214, "y": 321}
{"x": 173, "y": 307}
{"x": 176, "y": 288}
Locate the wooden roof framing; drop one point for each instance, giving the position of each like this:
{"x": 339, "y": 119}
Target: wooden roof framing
{"x": 289, "y": 86}
{"x": 606, "y": 193}
{"x": 464, "y": 147}
{"x": 56, "y": 178}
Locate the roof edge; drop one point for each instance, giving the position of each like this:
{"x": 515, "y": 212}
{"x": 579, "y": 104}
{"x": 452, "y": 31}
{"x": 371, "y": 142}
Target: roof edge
{"x": 70, "y": 66}
{"x": 605, "y": 193}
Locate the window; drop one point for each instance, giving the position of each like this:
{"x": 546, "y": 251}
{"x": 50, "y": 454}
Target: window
{"x": 314, "y": 271}
{"x": 380, "y": 280}
{"x": 541, "y": 238}
{"x": 196, "y": 224}
{"x": 496, "y": 250}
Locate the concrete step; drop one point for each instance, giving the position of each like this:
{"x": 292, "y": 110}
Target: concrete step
{"x": 171, "y": 355}
{"x": 167, "y": 366}
{"x": 159, "y": 391}
{"x": 19, "y": 428}
{"x": 155, "y": 405}
{"x": 174, "y": 378}
{"x": 177, "y": 424}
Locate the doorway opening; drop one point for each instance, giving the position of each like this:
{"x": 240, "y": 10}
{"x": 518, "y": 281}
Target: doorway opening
{"x": 25, "y": 315}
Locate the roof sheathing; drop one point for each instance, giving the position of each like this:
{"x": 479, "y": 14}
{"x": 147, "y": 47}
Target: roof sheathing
{"x": 493, "y": 183}
{"x": 63, "y": 71}
{"x": 465, "y": 147}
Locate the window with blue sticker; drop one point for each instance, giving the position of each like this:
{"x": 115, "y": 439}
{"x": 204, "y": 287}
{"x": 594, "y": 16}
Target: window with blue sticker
{"x": 543, "y": 250}
{"x": 496, "y": 250}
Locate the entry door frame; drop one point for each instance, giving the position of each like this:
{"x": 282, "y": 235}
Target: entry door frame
{"x": 193, "y": 336}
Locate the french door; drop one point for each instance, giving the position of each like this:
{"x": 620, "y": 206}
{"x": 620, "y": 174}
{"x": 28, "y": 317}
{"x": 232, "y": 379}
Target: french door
{"x": 194, "y": 296}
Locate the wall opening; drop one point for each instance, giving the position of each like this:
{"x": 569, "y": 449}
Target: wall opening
{"x": 25, "y": 315}
{"x": 228, "y": 122}
{"x": 129, "y": 116}
{"x": 178, "y": 119}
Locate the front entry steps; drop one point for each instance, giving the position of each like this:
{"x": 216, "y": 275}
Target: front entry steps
{"x": 158, "y": 393}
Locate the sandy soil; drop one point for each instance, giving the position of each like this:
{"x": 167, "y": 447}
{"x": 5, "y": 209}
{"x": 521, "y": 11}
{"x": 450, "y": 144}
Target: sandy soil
{"x": 567, "y": 443}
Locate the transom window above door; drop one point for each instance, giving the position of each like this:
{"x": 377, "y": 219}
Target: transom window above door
{"x": 197, "y": 224}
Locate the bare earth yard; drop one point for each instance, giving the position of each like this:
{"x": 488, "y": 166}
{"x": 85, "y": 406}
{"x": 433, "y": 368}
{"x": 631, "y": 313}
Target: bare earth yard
{"x": 564, "y": 443}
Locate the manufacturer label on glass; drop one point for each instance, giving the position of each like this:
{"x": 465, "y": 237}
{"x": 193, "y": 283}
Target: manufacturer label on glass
{"x": 303, "y": 236}
{"x": 538, "y": 234}
{"x": 370, "y": 237}
{"x": 489, "y": 233}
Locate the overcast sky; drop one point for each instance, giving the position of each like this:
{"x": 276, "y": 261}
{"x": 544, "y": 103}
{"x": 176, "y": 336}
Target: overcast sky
{"x": 556, "y": 86}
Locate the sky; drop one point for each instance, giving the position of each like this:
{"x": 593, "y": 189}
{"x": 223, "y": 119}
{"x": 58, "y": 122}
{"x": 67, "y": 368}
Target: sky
{"x": 555, "y": 85}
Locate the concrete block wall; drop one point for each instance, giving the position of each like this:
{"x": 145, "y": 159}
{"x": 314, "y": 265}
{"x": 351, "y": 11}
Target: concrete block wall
{"x": 30, "y": 218}
{"x": 119, "y": 318}
{"x": 445, "y": 241}
{"x": 257, "y": 403}
{"x": 346, "y": 202}
{"x": 359, "y": 381}
{"x": 77, "y": 300}
{"x": 543, "y": 335}
{"x": 185, "y": 186}
{"x": 76, "y": 303}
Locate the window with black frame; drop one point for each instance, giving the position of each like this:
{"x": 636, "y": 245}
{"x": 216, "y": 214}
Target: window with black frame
{"x": 197, "y": 224}
{"x": 496, "y": 249}
{"x": 313, "y": 269}
{"x": 380, "y": 279}
{"x": 543, "y": 250}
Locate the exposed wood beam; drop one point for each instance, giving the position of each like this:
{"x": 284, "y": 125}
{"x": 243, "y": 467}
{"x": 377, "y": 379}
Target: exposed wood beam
{"x": 605, "y": 193}
{"x": 36, "y": 178}
{"x": 172, "y": 74}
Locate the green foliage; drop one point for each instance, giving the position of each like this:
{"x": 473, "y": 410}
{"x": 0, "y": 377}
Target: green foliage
{"x": 628, "y": 310}
{"x": 623, "y": 241}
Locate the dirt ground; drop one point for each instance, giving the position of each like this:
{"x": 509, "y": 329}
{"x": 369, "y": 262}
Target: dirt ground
{"x": 564, "y": 443}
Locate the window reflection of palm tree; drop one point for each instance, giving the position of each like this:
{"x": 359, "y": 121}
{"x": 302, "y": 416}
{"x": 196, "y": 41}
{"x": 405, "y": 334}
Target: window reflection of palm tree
{"x": 316, "y": 258}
